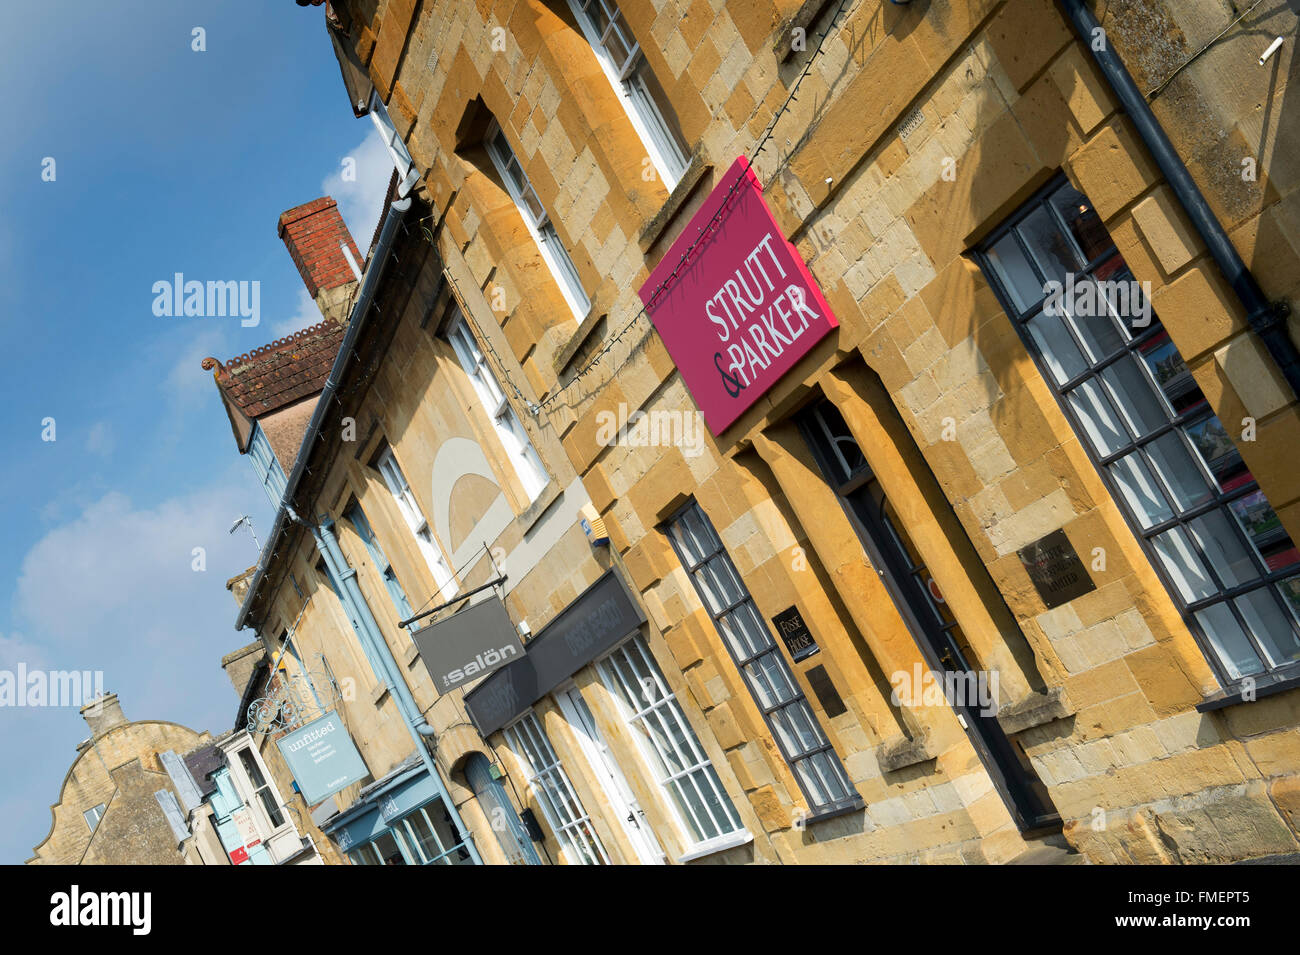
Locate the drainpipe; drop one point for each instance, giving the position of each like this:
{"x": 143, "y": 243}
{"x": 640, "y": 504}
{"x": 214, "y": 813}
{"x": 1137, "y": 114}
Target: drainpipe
{"x": 1267, "y": 319}
{"x": 385, "y": 666}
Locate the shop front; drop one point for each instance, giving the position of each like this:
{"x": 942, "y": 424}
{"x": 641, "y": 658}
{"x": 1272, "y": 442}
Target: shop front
{"x": 400, "y": 820}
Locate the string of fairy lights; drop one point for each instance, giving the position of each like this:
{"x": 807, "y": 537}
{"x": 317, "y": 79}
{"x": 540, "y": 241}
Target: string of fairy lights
{"x": 553, "y": 402}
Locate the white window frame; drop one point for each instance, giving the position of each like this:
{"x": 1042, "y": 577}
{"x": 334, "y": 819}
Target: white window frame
{"x": 580, "y": 844}
{"x": 407, "y": 173}
{"x": 443, "y": 576}
{"x": 537, "y": 219}
{"x": 609, "y": 774}
{"x": 250, "y": 793}
{"x": 269, "y": 472}
{"x": 98, "y": 812}
{"x": 509, "y": 429}
{"x": 672, "y": 785}
{"x": 666, "y": 151}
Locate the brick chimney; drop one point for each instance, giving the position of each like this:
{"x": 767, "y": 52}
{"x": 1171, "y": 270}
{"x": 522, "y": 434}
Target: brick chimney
{"x": 314, "y": 234}
{"x": 102, "y": 714}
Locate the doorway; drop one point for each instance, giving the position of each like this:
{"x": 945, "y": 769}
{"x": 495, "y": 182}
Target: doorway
{"x": 621, "y": 799}
{"x": 920, "y": 602}
{"x": 512, "y": 834}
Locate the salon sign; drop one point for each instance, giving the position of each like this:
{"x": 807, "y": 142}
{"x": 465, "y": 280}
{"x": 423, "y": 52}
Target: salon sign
{"x": 742, "y": 309}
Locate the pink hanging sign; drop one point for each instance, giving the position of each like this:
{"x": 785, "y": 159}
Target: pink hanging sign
{"x": 742, "y": 309}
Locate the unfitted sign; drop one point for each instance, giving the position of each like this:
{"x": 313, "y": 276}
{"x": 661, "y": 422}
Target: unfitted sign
{"x": 322, "y": 757}
{"x": 743, "y": 308}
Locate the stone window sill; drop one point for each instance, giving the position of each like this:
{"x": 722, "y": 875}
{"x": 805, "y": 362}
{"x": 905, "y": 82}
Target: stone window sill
{"x": 411, "y": 654}
{"x": 720, "y": 844}
{"x": 1034, "y": 709}
{"x": 826, "y": 814}
{"x": 694, "y": 174}
{"x": 534, "y": 511}
{"x": 899, "y": 752}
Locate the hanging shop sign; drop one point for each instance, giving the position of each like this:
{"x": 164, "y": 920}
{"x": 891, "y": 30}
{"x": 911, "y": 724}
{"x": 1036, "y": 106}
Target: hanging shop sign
{"x": 743, "y": 308}
{"x": 469, "y": 644}
{"x": 601, "y": 617}
{"x": 322, "y": 757}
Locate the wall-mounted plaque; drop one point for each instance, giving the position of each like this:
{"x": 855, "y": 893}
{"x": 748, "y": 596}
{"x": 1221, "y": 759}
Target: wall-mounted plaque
{"x": 798, "y": 638}
{"x": 1056, "y": 570}
{"x": 827, "y": 695}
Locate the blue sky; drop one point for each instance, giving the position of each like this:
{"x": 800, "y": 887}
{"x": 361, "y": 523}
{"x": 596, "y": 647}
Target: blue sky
{"x": 166, "y": 160}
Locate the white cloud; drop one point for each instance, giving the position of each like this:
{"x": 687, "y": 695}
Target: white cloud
{"x": 306, "y": 316}
{"x": 118, "y": 581}
{"x": 361, "y": 196}
{"x": 100, "y": 439}
{"x": 16, "y": 648}
{"x": 187, "y": 380}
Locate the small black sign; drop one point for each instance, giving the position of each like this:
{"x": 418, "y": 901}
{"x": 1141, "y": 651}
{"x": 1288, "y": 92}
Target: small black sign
{"x": 798, "y": 638}
{"x": 830, "y": 698}
{"x": 1056, "y": 570}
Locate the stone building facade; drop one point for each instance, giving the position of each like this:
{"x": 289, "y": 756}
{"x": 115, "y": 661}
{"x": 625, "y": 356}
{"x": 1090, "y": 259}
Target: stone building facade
{"x": 1077, "y": 504}
{"x": 107, "y": 812}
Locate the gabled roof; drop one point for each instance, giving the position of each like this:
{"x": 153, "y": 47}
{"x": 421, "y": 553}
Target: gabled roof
{"x": 268, "y": 378}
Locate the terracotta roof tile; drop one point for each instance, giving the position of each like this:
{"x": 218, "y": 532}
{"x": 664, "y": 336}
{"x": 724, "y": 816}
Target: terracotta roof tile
{"x": 282, "y": 372}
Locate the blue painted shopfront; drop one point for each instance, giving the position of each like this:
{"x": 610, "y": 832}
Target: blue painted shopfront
{"x": 400, "y": 820}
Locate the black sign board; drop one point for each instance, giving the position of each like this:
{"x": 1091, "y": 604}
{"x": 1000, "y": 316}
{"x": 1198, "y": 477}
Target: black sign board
{"x": 798, "y": 638}
{"x": 602, "y": 616}
{"x": 830, "y": 698}
{"x": 1056, "y": 570}
{"x": 463, "y": 647}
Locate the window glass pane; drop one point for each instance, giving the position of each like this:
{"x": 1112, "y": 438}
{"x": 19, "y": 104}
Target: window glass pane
{"x": 1081, "y": 220}
{"x": 1224, "y": 552}
{"x": 1184, "y": 566}
{"x": 1018, "y": 276}
{"x": 425, "y": 839}
{"x": 1290, "y": 590}
{"x": 1124, "y": 297}
{"x": 1228, "y": 641}
{"x": 1264, "y": 530}
{"x": 389, "y": 853}
{"x": 1057, "y": 347}
{"x": 1178, "y": 470}
{"x": 1274, "y": 630}
{"x": 1132, "y": 393}
{"x": 1098, "y": 418}
{"x": 1171, "y": 374}
{"x": 1098, "y": 331}
{"x": 1050, "y": 248}
{"x": 1211, "y": 439}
